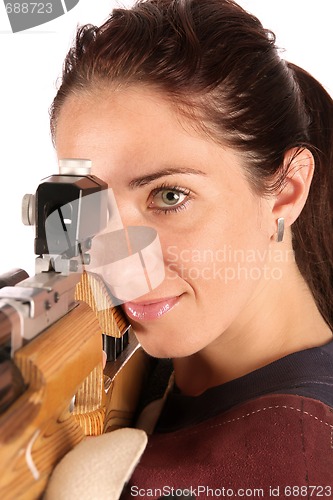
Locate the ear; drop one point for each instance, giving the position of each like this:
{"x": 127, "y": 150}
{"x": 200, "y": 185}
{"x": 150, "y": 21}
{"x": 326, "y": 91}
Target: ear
{"x": 289, "y": 201}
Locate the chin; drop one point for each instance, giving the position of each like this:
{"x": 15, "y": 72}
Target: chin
{"x": 157, "y": 350}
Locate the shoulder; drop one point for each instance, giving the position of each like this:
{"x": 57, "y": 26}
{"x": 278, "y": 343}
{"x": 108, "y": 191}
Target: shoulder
{"x": 275, "y": 440}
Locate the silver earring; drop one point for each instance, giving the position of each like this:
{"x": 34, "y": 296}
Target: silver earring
{"x": 280, "y": 230}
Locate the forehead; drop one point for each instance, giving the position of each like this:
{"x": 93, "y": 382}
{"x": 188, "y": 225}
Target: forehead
{"x": 132, "y": 109}
{"x": 134, "y": 128}
{"x": 128, "y": 108}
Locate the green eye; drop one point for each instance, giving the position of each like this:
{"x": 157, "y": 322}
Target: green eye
{"x": 170, "y": 197}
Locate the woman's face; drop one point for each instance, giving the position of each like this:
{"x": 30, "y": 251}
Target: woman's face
{"x": 214, "y": 232}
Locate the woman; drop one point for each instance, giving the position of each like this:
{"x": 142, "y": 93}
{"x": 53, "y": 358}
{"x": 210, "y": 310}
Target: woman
{"x": 205, "y": 134}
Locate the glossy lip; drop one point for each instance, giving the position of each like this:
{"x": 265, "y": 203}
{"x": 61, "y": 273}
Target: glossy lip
{"x": 150, "y": 310}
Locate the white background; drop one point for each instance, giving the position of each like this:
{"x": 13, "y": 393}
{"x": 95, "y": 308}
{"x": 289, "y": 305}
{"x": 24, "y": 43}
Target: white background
{"x": 31, "y": 62}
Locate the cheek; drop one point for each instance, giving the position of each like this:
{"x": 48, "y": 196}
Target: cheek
{"x": 219, "y": 270}
{"x": 218, "y": 253}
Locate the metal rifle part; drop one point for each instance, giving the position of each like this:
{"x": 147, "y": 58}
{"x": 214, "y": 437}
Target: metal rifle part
{"x": 12, "y": 277}
{"x": 68, "y": 210}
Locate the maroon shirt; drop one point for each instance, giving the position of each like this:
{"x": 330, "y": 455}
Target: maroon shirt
{"x": 267, "y": 434}
{"x": 276, "y": 445}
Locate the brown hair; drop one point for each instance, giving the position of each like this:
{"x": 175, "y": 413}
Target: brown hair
{"x": 213, "y": 57}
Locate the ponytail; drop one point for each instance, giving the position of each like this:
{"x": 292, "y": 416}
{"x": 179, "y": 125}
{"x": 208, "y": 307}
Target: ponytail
{"x": 313, "y": 230}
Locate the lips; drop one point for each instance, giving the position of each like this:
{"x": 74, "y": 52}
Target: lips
{"x": 152, "y": 310}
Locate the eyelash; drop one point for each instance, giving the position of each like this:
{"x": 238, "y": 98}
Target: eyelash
{"x": 168, "y": 187}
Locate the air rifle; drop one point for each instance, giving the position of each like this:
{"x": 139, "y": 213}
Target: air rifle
{"x": 53, "y": 390}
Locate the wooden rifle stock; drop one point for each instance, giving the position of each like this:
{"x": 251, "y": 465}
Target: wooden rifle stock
{"x": 39, "y": 428}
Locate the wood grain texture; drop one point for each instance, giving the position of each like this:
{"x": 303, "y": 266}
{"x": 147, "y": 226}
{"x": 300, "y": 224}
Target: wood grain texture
{"x": 93, "y": 291}
{"x": 62, "y": 362}
{"x": 38, "y": 429}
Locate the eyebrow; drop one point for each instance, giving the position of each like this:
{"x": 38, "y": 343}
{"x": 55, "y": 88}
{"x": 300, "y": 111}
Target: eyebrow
{"x": 147, "y": 179}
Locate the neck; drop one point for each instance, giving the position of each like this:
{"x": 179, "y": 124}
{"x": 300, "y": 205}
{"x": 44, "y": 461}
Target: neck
{"x": 282, "y": 319}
